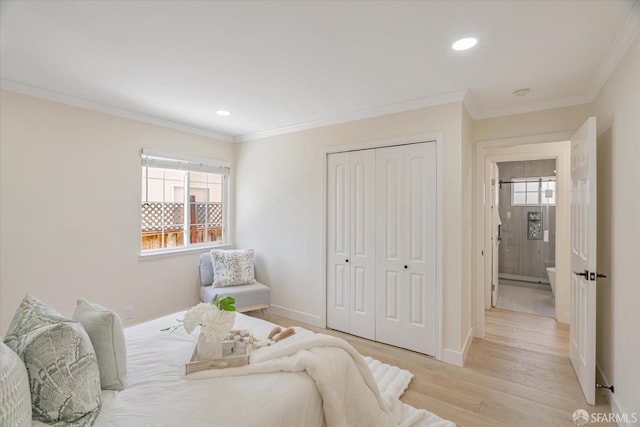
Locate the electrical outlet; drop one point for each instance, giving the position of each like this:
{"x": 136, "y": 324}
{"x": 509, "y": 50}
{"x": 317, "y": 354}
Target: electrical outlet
{"x": 128, "y": 313}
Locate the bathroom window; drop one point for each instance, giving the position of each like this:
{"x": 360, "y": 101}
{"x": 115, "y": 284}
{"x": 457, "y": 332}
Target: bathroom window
{"x": 531, "y": 192}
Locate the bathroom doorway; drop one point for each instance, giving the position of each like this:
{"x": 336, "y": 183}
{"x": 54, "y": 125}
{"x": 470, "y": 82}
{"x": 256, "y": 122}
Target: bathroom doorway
{"x": 525, "y": 214}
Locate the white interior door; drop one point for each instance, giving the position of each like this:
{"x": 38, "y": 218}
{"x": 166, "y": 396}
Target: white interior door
{"x": 583, "y": 257}
{"x": 351, "y": 243}
{"x": 362, "y": 263}
{"x": 495, "y": 235}
{"x": 406, "y": 246}
{"x": 338, "y": 240}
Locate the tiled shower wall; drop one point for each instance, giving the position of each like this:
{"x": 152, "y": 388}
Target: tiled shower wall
{"x": 519, "y": 256}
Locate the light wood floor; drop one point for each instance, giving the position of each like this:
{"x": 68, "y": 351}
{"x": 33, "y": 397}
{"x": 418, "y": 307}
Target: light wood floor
{"x": 518, "y": 375}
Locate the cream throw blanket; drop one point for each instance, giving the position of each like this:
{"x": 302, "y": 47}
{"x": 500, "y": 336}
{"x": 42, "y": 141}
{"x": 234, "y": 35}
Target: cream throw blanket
{"x": 349, "y": 392}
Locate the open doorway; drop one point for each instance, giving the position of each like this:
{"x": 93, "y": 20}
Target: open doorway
{"x": 489, "y": 155}
{"x": 576, "y": 235}
{"x": 524, "y": 232}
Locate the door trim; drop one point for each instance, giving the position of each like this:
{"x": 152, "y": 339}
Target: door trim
{"x": 437, "y": 138}
{"x": 481, "y": 159}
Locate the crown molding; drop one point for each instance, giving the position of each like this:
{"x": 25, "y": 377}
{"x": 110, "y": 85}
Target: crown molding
{"x": 627, "y": 35}
{"x": 359, "y": 115}
{"x": 107, "y": 109}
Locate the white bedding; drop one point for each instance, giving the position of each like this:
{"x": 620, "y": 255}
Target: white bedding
{"x": 300, "y": 382}
{"x": 158, "y": 394}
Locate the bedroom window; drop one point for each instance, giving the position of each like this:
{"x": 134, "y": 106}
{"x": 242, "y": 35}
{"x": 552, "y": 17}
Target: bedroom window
{"x": 534, "y": 191}
{"x": 184, "y": 202}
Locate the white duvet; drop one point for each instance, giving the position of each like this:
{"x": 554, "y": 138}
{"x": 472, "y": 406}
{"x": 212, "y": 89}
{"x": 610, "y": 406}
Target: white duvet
{"x": 306, "y": 380}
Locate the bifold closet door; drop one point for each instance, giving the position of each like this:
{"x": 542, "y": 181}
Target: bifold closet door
{"x": 351, "y": 243}
{"x": 406, "y": 246}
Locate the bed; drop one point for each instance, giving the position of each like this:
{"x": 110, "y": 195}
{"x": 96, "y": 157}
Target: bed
{"x": 299, "y": 383}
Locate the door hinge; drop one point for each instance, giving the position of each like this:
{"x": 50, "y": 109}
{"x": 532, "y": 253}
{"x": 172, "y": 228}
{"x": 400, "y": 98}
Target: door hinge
{"x": 493, "y": 286}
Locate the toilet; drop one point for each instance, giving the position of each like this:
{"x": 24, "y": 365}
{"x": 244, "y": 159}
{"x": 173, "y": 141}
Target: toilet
{"x": 551, "y": 273}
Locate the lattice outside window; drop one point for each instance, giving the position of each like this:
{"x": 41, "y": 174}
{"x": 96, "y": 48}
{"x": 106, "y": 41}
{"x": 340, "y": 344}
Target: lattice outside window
{"x": 174, "y": 218}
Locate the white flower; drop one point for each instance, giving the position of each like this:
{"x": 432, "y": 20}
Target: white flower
{"x": 194, "y": 316}
{"x": 217, "y": 323}
{"x": 214, "y": 323}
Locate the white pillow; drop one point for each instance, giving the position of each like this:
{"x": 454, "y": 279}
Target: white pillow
{"x": 232, "y": 267}
{"x": 15, "y": 394}
{"x": 107, "y": 336}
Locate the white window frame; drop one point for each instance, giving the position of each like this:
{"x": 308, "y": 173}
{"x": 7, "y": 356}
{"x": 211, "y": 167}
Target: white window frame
{"x": 539, "y": 190}
{"x": 152, "y": 158}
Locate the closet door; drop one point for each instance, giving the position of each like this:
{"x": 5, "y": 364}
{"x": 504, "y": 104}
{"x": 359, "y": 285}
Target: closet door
{"x": 351, "y": 243}
{"x": 406, "y": 246}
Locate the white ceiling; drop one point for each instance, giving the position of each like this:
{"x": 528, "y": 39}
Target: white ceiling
{"x": 285, "y": 65}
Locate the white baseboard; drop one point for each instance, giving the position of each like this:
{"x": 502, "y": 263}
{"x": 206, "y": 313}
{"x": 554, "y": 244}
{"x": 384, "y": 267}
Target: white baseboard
{"x": 610, "y": 398}
{"x": 309, "y": 319}
{"x": 456, "y": 357}
{"x": 563, "y": 317}
{"x": 621, "y": 414}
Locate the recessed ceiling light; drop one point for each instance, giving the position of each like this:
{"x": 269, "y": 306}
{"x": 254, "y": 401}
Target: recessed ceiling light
{"x": 223, "y": 113}
{"x": 521, "y": 92}
{"x": 464, "y": 44}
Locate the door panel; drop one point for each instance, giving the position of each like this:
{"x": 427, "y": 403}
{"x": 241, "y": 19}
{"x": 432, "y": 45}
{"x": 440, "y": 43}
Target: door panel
{"x": 340, "y": 288}
{"x": 338, "y": 234}
{"x": 416, "y": 300}
{"x": 406, "y": 210}
{"x": 391, "y": 296}
{"x": 582, "y": 348}
{"x": 360, "y": 237}
{"x": 391, "y": 205}
{"x": 351, "y": 243}
{"x": 362, "y": 259}
{"x": 416, "y": 208}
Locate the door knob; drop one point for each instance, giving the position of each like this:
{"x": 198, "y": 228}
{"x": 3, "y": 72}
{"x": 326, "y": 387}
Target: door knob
{"x": 347, "y": 261}
{"x": 584, "y": 273}
{"x": 406, "y": 266}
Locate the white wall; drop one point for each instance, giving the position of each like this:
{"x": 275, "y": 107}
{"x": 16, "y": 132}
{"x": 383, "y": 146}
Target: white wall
{"x": 617, "y": 108}
{"x": 70, "y": 210}
{"x": 542, "y": 122}
{"x": 281, "y": 177}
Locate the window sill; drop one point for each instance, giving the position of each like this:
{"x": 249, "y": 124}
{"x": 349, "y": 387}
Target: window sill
{"x": 161, "y": 253}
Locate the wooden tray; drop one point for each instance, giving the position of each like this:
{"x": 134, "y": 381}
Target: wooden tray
{"x": 195, "y": 365}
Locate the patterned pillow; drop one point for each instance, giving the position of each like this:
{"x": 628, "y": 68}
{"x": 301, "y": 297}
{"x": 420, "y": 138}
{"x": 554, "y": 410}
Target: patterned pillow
{"x": 30, "y": 317}
{"x": 15, "y": 396}
{"x": 232, "y": 267}
{"x": 61, "y": 363}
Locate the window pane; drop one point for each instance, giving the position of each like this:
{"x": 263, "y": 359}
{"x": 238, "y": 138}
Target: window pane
{"x": 533, "y": 186}
{"x": 162, "y": 215}
{"x": 519, "y": 186}
{"x": 206, "y": 208}
{"x": 519, "y": 198}
{"x": 532, "y": 197}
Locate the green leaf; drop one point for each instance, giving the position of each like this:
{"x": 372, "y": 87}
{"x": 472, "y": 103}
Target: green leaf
{"x": 227, "y": 303}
